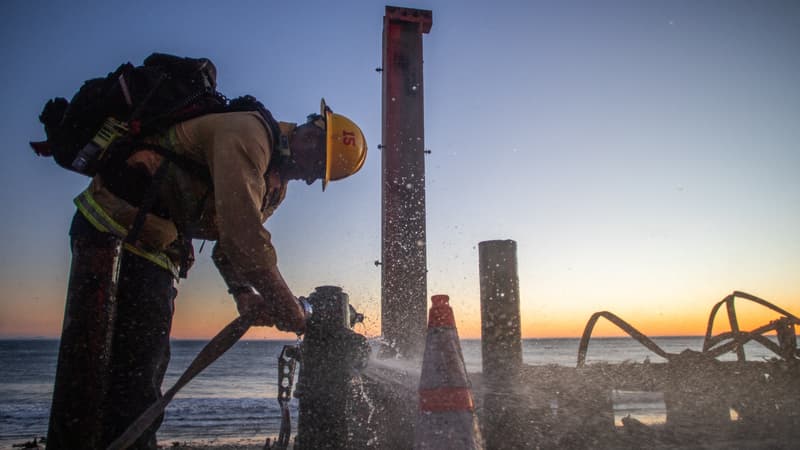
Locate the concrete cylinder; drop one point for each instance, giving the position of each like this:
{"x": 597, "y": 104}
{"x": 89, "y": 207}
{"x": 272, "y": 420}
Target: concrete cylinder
{"x": 501, "y": 343}
{"x": 501, "y": 334}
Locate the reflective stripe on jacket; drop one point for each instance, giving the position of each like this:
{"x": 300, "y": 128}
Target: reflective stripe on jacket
{"x": 103, "y": 222}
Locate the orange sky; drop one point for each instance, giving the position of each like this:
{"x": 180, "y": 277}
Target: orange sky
{"x": 611, "y": 143}
{"x": 197, "y": 318}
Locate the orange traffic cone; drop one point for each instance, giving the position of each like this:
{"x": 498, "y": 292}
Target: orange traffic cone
{"x": 446, "y": 410}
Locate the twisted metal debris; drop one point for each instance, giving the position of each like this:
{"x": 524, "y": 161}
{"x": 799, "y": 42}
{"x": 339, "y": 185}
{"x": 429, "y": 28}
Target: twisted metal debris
{"x": 714, "y": 345}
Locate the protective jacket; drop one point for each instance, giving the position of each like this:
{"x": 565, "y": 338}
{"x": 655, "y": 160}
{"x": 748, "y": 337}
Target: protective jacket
{"x": 244, "y": 189}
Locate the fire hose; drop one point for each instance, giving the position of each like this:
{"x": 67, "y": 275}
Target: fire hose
{"x": 210, "y": 353}
{"x": 223, "y": 341}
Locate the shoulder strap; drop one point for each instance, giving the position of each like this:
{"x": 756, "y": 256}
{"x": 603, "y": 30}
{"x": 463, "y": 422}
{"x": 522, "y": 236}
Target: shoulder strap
{"x": 250, "y": 103}
{"x": 193, "y": 167}
{"x": 148, "y": 201}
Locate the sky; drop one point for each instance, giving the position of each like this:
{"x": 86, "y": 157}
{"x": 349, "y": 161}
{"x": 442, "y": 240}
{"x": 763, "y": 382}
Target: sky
{"x": 643, "y": 155}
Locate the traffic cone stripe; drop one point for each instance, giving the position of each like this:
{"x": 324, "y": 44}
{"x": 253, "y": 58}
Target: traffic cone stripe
{"x": 445, "y": 399}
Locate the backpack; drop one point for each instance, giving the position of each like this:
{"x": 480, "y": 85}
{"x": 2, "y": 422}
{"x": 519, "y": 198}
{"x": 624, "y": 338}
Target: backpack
{"x": 107, "y": 118}
{"x": 131, "y": 102}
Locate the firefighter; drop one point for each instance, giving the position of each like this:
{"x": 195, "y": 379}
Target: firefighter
{"x": 220, "y": 179}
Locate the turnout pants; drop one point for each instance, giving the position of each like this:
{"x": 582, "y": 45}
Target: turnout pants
{"x": 114, "y": 347}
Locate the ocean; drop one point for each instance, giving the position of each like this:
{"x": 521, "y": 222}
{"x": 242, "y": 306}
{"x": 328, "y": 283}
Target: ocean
{"x": 235, "y": 398}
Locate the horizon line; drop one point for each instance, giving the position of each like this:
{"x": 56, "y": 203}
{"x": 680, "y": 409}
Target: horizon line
{"x": 666, "y": 336}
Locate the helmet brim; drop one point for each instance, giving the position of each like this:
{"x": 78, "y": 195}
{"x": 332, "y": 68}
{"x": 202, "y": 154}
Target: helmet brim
{"x": 327, "y": 113}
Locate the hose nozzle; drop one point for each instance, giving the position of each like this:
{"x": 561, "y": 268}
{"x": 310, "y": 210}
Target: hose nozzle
{"x": 308, "y": 310}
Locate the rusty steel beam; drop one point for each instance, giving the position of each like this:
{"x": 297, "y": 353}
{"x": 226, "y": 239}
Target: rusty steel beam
{"x": 403, "y": 251}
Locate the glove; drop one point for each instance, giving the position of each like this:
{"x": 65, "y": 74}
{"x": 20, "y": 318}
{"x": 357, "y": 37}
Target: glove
{"x": 286, "y": 313}
{"x": 290, "y": 315}
{"x": 251, "y": 303}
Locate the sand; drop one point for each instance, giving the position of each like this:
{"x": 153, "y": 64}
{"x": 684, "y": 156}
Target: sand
{"x": 217, "y": 444}
{"x": 208, "y": 446}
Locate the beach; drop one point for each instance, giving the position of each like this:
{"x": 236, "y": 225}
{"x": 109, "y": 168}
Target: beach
{"x": 233, "y": 403}
{"x": 214, "y": 445}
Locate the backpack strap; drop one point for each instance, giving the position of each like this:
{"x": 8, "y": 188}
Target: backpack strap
{"x": 185, "y": 246}
{"x": 250, "y": 103}
{"x": 148, "y": 201}
{"x": 195, "y": 168}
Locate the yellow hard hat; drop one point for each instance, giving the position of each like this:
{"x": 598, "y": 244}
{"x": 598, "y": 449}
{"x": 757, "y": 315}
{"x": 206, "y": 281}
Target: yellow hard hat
{"x": 346, "y": 147}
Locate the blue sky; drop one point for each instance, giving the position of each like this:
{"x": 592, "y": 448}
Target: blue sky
{"x": 644, "y": 155}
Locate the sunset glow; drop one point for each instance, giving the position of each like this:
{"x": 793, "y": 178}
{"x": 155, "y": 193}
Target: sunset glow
{"x": 643, "y": 156}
